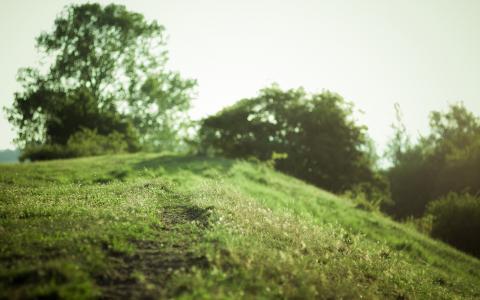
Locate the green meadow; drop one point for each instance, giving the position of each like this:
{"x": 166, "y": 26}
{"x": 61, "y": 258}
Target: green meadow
{"x": 163, "y": 226}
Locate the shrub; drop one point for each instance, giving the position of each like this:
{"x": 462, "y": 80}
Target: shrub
{"x": 85, "y": 142}
{"x": 88, "y": 142}
{"x": 44, "y": 152}
{"x": 456, "y": 220}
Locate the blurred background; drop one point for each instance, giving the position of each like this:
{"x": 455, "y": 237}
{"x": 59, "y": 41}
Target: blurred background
{"x": 420, "y": 54}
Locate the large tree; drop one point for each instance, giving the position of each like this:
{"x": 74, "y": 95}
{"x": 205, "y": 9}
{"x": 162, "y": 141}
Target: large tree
{"x": 317, "y": 132}
{"x": 105, "y": 71}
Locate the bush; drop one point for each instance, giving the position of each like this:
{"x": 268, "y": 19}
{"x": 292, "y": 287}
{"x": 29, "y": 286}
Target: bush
{"x": 456, "y": 220}
{"x": 44, "y": 152}
{"x": 88, "y": 143}
{"x": 85, "y": 142}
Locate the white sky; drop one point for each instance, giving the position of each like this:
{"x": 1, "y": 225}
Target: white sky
{"x": 423, "y": 54}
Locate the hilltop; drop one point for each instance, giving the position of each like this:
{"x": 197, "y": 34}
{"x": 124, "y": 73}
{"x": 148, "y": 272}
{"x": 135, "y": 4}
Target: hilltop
{"x": 161, "y": 226}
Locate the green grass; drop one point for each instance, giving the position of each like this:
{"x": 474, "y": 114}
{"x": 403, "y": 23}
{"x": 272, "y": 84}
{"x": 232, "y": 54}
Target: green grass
{"x": 152, "y": 226}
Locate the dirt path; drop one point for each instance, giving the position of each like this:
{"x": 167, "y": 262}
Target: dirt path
{"x": 144, "y": 274}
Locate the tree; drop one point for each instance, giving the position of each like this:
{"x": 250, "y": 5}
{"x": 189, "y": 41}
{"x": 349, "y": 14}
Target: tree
{"x": 400, "y": 142}
{"x": 107, "y": 73}
{"x": 447, "y": 160}
{"x": 323, "y": 144}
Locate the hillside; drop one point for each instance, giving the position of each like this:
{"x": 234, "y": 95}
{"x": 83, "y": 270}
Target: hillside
{"x": 152, "y": 226}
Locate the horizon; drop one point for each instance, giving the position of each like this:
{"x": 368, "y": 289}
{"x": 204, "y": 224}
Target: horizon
{"x": 423, "y": 56}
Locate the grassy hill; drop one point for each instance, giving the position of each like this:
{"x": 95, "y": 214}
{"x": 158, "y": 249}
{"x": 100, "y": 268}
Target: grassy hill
{"x": 152, "y": 226}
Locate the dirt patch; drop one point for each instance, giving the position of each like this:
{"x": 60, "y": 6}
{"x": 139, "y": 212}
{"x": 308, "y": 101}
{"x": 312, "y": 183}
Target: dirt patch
{"x": 178, "y": 214}
{"x": 145, "y": 274}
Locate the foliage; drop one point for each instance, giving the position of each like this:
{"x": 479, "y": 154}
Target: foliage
{"x": 368, "y": 197}
{"x": 422, "y": 224}
{"x": 106, "y": 73}
{"x": 85, "y": 142}
{"x": 446, "y": 160}
{"x": 273, "y": 161}
{"x": 88, "y": 143}
{"x": 323, "y": 144}
{"x": 196, "y": 228}
{"x": 456, "y": 220}
{"x": 44, "y": 152}
{"x": 400, "y": 142}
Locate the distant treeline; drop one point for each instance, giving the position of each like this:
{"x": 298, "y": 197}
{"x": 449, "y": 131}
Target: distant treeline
{"x": 9, "y": 155}
{"x": 108, "y": 91}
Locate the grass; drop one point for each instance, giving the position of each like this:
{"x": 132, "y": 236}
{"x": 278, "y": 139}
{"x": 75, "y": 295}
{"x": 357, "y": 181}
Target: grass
{"x": 153, "y": 226}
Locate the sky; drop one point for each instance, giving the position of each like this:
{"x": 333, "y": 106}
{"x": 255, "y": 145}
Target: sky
{"x": 422, "y": 54}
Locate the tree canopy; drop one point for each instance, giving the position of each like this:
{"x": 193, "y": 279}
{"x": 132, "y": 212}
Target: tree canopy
{"x": 322, "y": 143}
{"x": 105, "y": 72}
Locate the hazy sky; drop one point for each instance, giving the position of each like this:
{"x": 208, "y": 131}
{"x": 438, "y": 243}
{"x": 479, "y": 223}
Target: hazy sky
{"x": 423, "y": 54}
